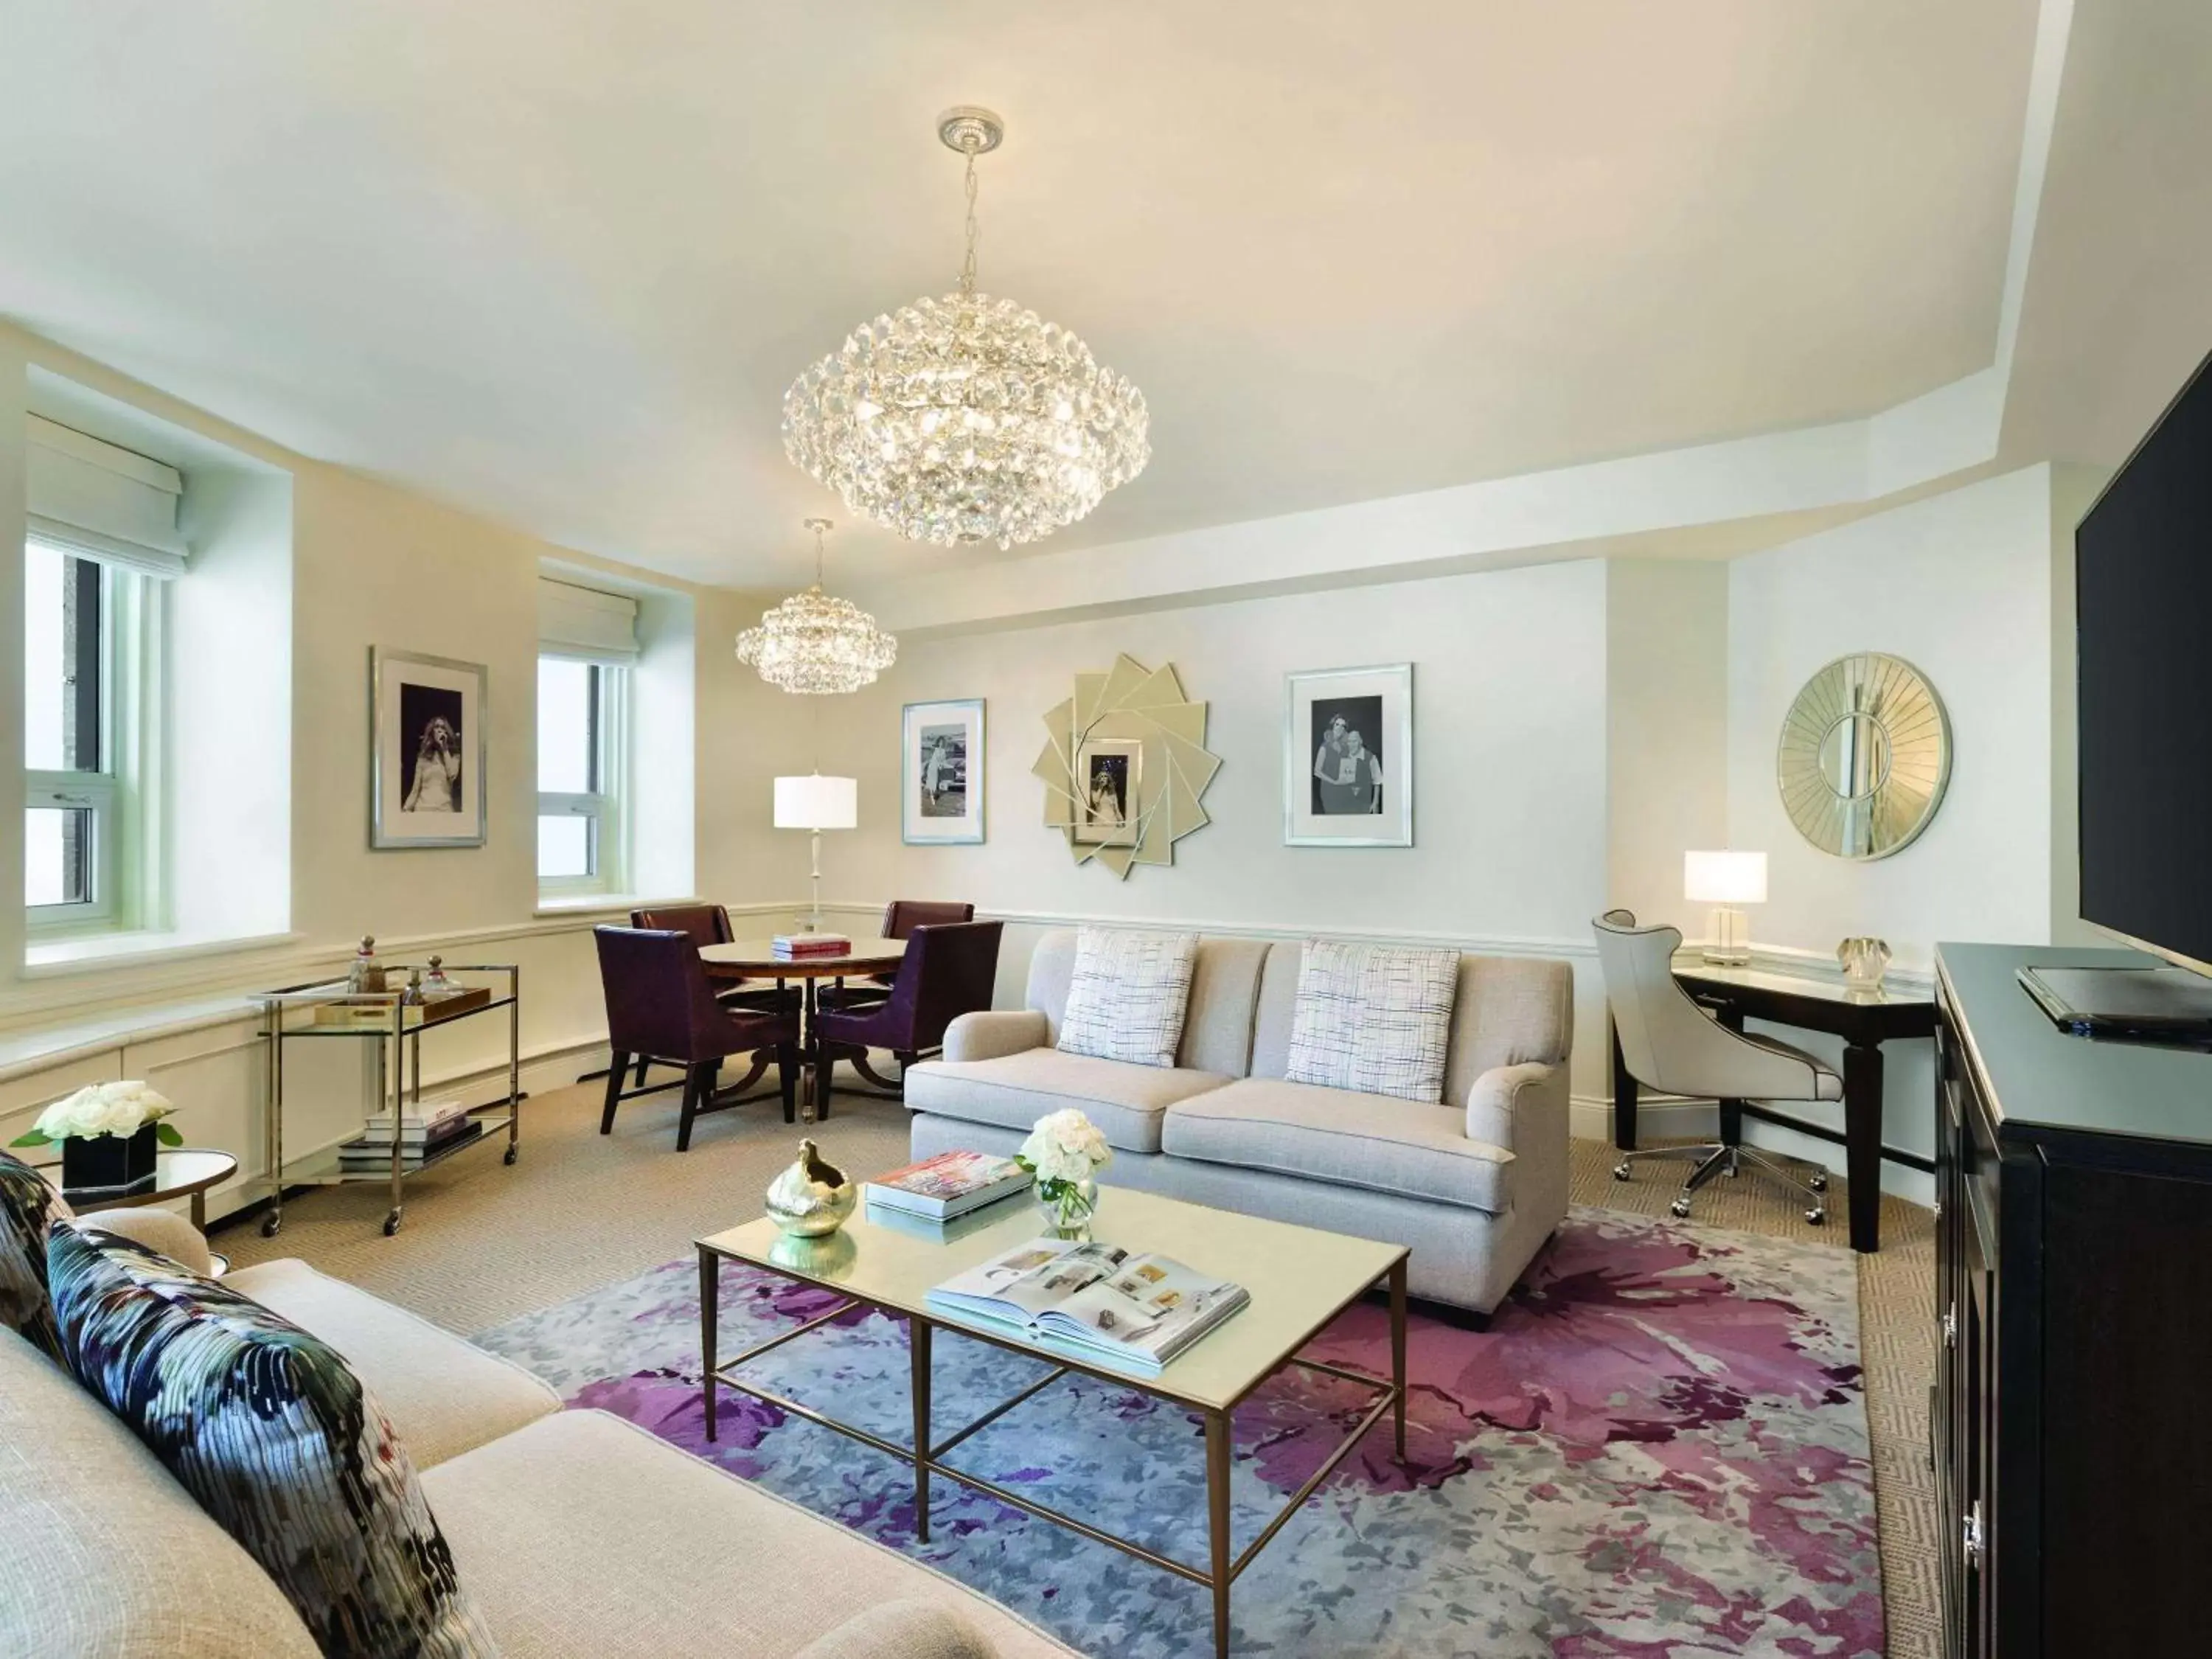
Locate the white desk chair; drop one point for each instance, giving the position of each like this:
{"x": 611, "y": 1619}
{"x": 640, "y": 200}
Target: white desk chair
{"x": 1671, "y": 1044}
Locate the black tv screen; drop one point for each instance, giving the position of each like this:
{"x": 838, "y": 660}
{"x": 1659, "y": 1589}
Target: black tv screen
{"x": 2143, "y": 594}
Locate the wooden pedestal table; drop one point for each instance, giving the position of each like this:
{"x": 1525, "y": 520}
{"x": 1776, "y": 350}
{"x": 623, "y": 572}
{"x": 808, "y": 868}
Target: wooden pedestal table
{"x": 756, "y": 959}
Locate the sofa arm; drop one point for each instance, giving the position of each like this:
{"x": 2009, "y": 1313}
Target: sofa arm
{"x": 906, "y": 1629}
{"x": 994, "y": 1034}
{"x": 157, "y": 1229}
{"x": 1512, "y": 1106}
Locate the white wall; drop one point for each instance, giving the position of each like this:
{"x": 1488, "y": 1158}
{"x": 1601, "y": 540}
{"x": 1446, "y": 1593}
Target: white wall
{"x": 1510, "y": 718}
{"x": 301, "y": 598}
{"x": 1959, "y": 584}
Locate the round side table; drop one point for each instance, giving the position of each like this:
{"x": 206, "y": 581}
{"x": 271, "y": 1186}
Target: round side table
{"x": 183, "y": 1172}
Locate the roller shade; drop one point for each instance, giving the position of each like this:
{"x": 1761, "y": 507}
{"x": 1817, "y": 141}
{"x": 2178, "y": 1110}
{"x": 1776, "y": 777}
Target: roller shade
{"x": 100, "y": 501}
{"x": 582, "y": 622}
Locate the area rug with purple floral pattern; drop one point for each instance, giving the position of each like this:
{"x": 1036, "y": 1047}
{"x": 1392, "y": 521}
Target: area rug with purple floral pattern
{"x": 1658, "y": 1449}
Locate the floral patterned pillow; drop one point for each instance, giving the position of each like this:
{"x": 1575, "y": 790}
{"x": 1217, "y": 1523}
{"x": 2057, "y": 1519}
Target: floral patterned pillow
{"x": 27, "y": 1206}
{"x": 275, "y": 1436}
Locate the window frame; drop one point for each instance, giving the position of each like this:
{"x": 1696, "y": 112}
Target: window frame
{"x": 605, "y": 807}
{"x": 123, "y": 837}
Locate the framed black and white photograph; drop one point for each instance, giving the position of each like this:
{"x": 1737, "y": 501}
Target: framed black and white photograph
{"x": 941, "y": 768}
{"x": 426, "y": 750}
{"x": 1108, "y": 772}
{"x": 1348, "y": 757}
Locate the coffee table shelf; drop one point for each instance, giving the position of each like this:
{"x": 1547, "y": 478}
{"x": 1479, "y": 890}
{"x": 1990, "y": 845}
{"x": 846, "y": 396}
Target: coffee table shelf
{"x": 1299, "y": 1278}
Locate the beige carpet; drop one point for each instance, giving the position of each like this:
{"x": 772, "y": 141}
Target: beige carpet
{"x": 483, "y": 1244}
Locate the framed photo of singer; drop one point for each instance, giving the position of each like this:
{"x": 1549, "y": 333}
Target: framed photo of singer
{"x": 426, "y": 769}
{"x": 1348, "y": 757}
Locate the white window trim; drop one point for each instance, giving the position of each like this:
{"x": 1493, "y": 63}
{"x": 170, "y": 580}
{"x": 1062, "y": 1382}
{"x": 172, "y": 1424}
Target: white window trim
{"x": 127, "y": 858}
{"x": 608, "y": 809}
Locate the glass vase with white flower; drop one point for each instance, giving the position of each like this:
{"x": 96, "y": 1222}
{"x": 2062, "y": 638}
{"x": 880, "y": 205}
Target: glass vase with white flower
{"x": 1065, "y": 1152}
{"x": 111, "y": 1135}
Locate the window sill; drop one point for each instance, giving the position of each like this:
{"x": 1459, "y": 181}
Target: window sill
{"x": 585, "y": 904}
{"x": 55, "y": 958}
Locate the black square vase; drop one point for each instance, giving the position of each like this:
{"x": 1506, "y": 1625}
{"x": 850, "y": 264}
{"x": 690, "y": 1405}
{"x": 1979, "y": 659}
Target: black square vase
{"x": 109, "y": 1166}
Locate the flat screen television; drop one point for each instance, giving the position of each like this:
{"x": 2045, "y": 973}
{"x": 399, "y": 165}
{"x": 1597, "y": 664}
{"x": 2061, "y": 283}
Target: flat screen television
{"x": 2143, "y": 598}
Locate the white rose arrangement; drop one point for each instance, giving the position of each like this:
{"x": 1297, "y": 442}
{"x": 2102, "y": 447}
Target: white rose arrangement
{"x": 1062, "y": 1150}
{"x": 104, "y": 1108}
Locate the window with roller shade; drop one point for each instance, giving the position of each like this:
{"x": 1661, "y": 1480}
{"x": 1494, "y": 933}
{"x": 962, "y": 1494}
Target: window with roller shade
{"x": 587, "y": 646}
{"x": 103, "y": 541}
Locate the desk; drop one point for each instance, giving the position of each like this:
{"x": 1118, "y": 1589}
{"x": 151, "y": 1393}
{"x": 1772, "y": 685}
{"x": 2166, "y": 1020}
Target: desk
{"x": 1865, "y": 1019}
{"x": 755, "y": 958}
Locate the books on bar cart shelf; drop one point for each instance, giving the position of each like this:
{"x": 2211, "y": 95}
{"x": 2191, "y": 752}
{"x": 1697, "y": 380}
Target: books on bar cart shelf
{"x": 375, "y": 1156}
{"x": 951, "y": 1184}
{"x": 419, "y": 1123}
{"x": 1096, "y": 1302}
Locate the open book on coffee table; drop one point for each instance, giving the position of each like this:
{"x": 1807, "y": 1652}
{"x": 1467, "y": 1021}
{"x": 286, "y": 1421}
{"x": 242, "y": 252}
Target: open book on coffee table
{"x": 1098, "y": 1303}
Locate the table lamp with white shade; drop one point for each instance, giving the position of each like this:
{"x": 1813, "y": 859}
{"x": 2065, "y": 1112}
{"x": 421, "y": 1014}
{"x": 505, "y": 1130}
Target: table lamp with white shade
{"x": 1725, "y": 880}
{"x": 815, "y": 803}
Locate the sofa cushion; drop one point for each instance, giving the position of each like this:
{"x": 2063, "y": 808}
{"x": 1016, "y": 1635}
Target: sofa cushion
{"x": 266, "y": 1426}
{"x": 585, "y": 1537}
{"x": 443, "y": 1394}
{"x": 1014, "y": 1091}
{"x": 105, "y": 1552}
{"x": 28, "y": 1204}
{"x": 1128, "y": 995}
{"x": 900, "y": 1630}
{"x": 1373, "y": 1018}
{"x": 1346, "y": 1139}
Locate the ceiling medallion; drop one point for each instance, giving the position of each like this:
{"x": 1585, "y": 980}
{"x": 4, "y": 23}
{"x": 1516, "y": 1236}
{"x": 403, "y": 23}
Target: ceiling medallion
{"x": 812, "y": 642}
{"x": 966, "y": 418}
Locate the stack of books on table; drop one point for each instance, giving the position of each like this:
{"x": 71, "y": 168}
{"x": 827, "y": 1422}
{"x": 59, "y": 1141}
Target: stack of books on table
{"x": 797, "y": 947}
{"x": 1092, "y": 1302}
{"x": 423, "y": 1132}
{"x": 943, "y": 1189}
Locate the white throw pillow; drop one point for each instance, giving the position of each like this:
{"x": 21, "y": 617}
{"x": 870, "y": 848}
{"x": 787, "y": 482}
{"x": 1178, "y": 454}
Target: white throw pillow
{"x": 1373, "y": 1017}
{"x": 1127, "y": 997}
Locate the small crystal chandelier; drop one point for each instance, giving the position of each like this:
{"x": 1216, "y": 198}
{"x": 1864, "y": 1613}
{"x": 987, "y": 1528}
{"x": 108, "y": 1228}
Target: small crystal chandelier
{"x": 814, "y": 643}
{"x": 966, "y": 418}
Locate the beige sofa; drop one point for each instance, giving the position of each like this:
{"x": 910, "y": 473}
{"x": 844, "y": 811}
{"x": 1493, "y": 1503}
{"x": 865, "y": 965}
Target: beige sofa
{"x": 1472, "y": 1186}
{"x": 577, "y": 1533}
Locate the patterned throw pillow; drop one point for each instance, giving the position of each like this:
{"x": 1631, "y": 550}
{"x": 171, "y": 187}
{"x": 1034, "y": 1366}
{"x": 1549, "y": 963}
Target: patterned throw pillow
{"x": 275, "y": 1436}
{"x": 1127, "y": 997}
{"x": 27, "y": 1204}
{"x": 1373, "y": 1017}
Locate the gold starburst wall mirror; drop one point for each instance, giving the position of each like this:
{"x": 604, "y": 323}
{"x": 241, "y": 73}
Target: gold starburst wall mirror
{"x": 1125, "y": 765}
{"x": 1864, "y": 758}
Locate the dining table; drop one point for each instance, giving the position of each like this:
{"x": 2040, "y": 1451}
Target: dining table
{"x": 757, "y": 959}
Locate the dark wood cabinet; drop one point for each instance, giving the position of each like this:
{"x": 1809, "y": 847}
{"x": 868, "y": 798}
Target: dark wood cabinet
{"x": 2071, "y": 1426}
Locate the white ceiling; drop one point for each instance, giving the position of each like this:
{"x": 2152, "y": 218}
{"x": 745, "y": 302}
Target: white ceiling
{"x": 557, "y": 259}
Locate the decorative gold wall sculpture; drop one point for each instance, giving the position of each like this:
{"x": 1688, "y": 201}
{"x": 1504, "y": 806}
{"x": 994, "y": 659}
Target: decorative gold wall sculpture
{"x": 1125, "y": 766}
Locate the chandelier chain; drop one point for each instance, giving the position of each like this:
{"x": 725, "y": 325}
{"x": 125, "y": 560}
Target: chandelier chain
{"x": 968, "y": 264}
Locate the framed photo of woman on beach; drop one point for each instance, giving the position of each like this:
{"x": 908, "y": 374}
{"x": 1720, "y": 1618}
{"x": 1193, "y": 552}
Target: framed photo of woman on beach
{"x": 1348, "y": 757}
{"x": 942, "y": 772}
{"x": 425, "y": 785}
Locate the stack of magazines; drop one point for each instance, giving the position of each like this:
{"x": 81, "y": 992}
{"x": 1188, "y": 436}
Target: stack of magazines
{"x": 430, "y": 1129}
{"x": 797, "y": 947}
{"x": 945, "y": 1187}
{"x": 1096, "y": 1303}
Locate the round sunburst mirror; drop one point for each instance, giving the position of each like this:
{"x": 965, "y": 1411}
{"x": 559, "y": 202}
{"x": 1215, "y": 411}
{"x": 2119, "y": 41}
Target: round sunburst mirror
{"x": 1865, "y": 754}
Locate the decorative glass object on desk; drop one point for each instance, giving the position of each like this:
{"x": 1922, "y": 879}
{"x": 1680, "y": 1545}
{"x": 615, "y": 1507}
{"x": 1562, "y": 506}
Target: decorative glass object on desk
{"x": 1865, "y": 961}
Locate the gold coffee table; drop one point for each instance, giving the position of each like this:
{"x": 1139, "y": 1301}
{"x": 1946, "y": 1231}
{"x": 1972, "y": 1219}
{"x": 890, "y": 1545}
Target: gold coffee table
{"x": 1300, "y": 1279}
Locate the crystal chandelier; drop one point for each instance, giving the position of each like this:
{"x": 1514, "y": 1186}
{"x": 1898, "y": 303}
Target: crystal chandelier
{"x": 966, "y": 418}
{"x": 815, "y": 643}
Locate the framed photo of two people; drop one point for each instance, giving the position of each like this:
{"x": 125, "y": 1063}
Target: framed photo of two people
{"x": 1348, "y": 757}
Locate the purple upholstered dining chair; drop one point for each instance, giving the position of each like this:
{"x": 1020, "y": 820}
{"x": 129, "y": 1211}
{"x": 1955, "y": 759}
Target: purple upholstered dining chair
{"x": 661, "y": 1006}
{"x": 948, "y": 970}
{"x": 901, "y": 918}
{"x": 709, "y": 924}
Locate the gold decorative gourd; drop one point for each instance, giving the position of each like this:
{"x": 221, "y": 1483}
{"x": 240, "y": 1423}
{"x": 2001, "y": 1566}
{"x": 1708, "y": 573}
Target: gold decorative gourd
{"x": 813, "y": 1197}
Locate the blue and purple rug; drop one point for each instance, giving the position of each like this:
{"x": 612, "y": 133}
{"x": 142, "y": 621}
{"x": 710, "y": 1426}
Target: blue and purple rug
{"x": 1659, "y": 1450}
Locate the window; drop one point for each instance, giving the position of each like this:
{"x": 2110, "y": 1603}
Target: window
{"x": 86, "y": 626}
{"x": 581, "y": 759}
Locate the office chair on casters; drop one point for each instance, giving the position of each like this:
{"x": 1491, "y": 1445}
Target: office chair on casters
{"x": 1672, "y": 1044}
